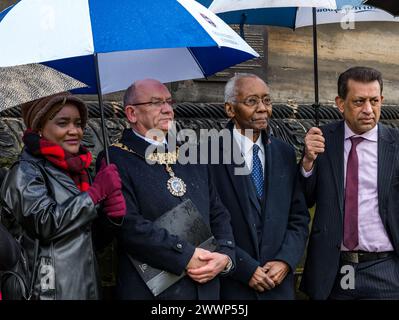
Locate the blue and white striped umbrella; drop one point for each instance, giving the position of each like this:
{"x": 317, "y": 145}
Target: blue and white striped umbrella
{"x": 168, "y": 40}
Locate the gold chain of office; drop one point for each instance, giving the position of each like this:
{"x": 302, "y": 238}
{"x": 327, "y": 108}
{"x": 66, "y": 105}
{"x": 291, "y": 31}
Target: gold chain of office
{"x": 175, "y": 185}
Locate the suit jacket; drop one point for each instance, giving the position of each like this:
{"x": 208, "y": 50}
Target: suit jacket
{"x": 283, "y": 213}
{"x": 325, "y": 188}
{"x": 147, "y": 198}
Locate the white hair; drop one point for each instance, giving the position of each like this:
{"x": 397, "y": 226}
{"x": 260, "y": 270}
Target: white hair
{"x": 230, "y": 90}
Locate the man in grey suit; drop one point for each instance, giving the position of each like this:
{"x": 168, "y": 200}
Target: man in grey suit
{"x": 350, "y": 170}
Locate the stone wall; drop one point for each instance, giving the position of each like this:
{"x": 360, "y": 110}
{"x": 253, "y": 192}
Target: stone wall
{"x": 289, "y": 123}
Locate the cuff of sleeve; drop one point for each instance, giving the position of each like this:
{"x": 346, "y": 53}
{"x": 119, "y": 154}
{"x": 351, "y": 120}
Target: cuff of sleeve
{"x": 185, "y": 252}
{"x": 306, "y": 174}
{"x": 244, "y": 270}
{"x": 285, "y": 259}
{"x": 228, "y": 268}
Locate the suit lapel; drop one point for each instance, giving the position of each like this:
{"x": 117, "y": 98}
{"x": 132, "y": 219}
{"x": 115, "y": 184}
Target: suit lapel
{"x": 267, "y": 172}
{"x": 252, "y": 194}
{"x": 131, "y": 140}
{"x": 335, "y": 150}
{"x": 239, "y": 182}
{"x": 386, "y": 158}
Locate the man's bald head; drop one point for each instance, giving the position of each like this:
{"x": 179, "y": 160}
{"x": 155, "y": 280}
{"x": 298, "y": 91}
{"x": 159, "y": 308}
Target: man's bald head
{"x": 133, "y": 93}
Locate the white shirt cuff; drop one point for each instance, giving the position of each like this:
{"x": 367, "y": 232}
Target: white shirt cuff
{"x": 305, "y": 173}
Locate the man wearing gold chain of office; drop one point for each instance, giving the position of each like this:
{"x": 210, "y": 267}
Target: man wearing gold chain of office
{"x": 151, "y": 190}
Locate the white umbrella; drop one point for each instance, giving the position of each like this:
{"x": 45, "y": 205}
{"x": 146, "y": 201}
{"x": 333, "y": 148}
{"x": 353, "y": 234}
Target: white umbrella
{"x": 347, "y": 15}
{"x": 220, "y": 6}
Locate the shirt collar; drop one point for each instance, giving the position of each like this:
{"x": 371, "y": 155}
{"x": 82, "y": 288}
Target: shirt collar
{"x": 371, "y": 135}
{"x": 149, "y": 140}
{"x": 245, "y": 144}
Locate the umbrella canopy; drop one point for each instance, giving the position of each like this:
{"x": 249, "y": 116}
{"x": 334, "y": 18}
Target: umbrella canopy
{"x": 276, "y": 13}
{"x": 25, "y": 83}
{"x": 280, "y": 13}
{"x": 391, "y": 6}
{"x": 168, "y": 40}
{"x": 347, "y": 11}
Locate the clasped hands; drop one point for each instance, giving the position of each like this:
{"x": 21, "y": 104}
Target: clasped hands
{"x": 205, "y": 265}
{"x": 269, "y": 276}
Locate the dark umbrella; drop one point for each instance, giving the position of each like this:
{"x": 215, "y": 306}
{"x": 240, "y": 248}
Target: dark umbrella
{"x": 391, "y": 6}
{"x": 20, "y": 84}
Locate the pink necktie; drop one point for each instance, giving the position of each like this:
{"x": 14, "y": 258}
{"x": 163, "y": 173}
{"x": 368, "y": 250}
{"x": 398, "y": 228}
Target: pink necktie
{"x": 351, "y": 233}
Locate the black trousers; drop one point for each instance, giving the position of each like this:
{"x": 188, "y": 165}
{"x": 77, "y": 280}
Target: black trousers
{"x": 376, "y": 279}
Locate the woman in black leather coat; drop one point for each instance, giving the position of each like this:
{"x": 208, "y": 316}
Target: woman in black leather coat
{"x": 49, "y": 195}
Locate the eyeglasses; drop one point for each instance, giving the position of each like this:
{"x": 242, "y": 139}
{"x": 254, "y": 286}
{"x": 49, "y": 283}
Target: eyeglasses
{"x": 254, "y": 101}
{"x": 156, "y": 103}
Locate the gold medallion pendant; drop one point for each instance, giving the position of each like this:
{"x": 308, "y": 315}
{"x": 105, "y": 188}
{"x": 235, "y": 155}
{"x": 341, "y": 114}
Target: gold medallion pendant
{"x": 176, "y": 186}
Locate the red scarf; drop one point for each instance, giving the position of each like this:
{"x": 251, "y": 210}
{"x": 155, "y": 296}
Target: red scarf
{"x": 74, "y": 165}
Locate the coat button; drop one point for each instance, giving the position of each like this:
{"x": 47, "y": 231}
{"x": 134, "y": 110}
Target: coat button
{"x": 179, "y": 246}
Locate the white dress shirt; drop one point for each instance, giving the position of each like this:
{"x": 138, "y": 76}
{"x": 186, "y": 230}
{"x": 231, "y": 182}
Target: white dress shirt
{"x": 149, "y": 140}
{"x": 246, "y": 148}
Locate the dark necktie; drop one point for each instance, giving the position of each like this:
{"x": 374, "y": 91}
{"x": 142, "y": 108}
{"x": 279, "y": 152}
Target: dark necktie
{"x": 257, "y": 171}
{"x": 351, "y": 232}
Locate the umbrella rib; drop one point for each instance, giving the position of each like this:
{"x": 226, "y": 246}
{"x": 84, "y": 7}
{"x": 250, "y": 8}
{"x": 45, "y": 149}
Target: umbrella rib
{"x": 196, "y": 60}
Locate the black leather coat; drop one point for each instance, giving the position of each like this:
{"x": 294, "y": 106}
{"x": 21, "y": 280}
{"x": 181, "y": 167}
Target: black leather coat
{"x": 48, "y": 206}
{"x": 9, "y": 250}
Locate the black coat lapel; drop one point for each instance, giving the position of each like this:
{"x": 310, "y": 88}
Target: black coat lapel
{"x": 252, "y": 194}
{"x": 267, "y": 170}
{"x": 239, "y": 182}
{"x": 131, "y": 140}
{"x": 386, "y": 159}
{"x": 335, "y": 152}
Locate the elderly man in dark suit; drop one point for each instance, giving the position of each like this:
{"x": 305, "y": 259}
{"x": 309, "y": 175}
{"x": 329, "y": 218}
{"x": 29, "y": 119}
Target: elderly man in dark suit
{"x": 350, "y": 171}
{"x": 151, "y": 190}
{"x": 268, "y": 210}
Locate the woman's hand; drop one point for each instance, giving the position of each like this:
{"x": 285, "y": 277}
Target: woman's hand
{"x": 106, "y": 182}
